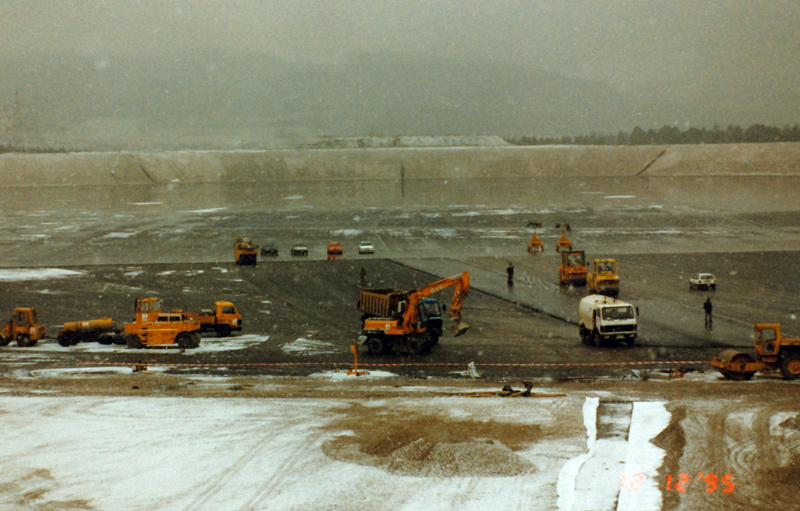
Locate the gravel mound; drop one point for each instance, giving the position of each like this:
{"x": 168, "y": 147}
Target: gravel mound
{"x": 472, "y": 458}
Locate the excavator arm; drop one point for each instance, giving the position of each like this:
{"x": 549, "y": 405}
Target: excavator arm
{"x": 461, "y": 283}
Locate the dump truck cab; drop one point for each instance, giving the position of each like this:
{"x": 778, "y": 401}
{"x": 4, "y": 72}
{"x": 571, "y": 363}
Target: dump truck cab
{"x": 604, "y": 278}
{"x": 244, "y": 251}
{"x": 23, "y": 327}
{"x": 152, "y": 326}
{"x": 223, "y": 319}
{"x": 603, "y": 320}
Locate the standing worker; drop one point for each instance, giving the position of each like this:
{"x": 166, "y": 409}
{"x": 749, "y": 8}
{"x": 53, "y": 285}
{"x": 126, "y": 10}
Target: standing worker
{"x": 510, "y": 272}
{"x": 363, "y": 275}
{"x": 707, "y": 307}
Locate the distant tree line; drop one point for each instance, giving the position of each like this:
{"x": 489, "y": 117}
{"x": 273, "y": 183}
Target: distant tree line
{"x": 733, "y": 134}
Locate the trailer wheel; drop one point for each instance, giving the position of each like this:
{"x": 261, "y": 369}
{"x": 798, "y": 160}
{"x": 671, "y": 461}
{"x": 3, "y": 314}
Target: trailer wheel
{"x": 790, "y": 366}
{"x": 223, "y": 330}
{"x": 119, "y": 339}
{"x": 133, "y": 341}
{"x": 105, "y": 339}
{"x": 23, "y": 341}
{"x": 65, "y": 339}
{"x": 375, "y": 346}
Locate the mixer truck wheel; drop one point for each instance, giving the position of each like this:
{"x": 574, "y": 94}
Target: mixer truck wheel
{"x": 23, "y": 341}
{"x": 790, "y": 366}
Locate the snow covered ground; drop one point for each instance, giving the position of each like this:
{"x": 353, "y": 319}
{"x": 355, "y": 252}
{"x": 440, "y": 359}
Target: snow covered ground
{"x": 164, "y": 453}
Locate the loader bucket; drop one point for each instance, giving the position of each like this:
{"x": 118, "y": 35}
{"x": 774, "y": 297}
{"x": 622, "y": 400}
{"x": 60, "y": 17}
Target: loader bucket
{"x": 459, "y": 327}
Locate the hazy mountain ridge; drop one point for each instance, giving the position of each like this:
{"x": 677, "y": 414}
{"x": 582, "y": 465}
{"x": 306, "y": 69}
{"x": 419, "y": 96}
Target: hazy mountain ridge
{"x": 375, "y": 95}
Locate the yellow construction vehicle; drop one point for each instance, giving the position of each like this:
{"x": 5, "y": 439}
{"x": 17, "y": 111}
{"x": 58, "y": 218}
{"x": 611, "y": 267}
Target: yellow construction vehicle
{"x": 604, "y": 279}
{"x": 152, "y": 326}
{"x": 222, "y": 319}
{"x": 410, "y": 320}
{"x": 563, "y": 242}
{"x": 572, "y": 271}
{"x": 100, "y": 330}
{"x": 23, "y": 327}
{"x": 244, "y": 252}
{"x": 535, "y": 244}
{"x": 773, "y": 351}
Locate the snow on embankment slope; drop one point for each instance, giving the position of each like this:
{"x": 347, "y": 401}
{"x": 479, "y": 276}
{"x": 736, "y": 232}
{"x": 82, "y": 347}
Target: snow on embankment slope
{"x": 121, "y": 168}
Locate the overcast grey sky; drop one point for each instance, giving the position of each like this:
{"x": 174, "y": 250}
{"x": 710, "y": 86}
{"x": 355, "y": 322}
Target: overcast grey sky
{"x": 623, "y": 41}
{"x": 737, "y": 51}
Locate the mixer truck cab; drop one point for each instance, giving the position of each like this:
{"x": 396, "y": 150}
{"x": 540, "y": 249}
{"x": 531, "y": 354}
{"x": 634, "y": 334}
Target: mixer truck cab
{"x": 603, "y": 320}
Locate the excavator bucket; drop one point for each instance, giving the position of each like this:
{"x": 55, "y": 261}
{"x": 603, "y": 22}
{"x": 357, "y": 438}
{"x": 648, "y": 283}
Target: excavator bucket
{"x": 459, "y": 327}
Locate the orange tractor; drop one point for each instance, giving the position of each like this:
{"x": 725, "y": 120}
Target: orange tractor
{"x": 23, "y": 327}
{"x": 772, "y": 350}
{"x": 152, "y": 326}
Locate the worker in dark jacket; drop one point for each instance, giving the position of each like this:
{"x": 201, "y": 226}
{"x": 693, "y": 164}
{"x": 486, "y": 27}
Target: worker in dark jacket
{"x": 510, "y": 272}
{"x": 707, "y": 307}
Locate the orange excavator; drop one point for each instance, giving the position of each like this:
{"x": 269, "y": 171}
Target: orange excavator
{"x": 410, "y": 321}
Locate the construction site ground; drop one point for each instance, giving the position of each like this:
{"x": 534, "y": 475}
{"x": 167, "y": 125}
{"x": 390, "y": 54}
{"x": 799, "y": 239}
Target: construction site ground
{"x": 276, "y": 422}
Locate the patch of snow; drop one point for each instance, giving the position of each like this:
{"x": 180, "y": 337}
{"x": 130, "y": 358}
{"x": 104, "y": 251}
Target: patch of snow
{"x": 21, "y": 275}
{"x": 342, "y": 375}
{"x": 293, "y": 197}
{"x": 210, "y": 210}
{"x": 126, "y": 234}
{"x": 303, "y": 346}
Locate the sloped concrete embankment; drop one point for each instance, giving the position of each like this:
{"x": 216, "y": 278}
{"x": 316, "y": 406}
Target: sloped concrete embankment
{"x": 395, "y": 164}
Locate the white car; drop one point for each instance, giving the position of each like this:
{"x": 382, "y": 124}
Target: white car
{"x": 366, "y": 247}
{"x": 299, "y": 249}
{"x": 703, "y": 281}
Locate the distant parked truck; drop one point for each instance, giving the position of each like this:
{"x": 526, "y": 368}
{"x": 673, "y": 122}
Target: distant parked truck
{"x": 604, "y": 320}
{"x": 244, "y": 251}
{"x": 223, "y": 319}
{"x": 604, "y": 278}
{"x": 23, "y": 327}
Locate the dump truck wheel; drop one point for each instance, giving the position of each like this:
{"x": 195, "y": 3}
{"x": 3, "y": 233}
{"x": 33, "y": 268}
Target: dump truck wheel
{"x": 414, "y": 346}
{"x": 223, "y": 330}
{"x": 375, "y": 346}
{"x": 23, "y": 341}
{"x": 133, "y": 341}
{"x": 790, "y": 366}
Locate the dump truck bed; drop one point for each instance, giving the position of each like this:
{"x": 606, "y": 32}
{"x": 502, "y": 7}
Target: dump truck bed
{"x": 381, "y": 302}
